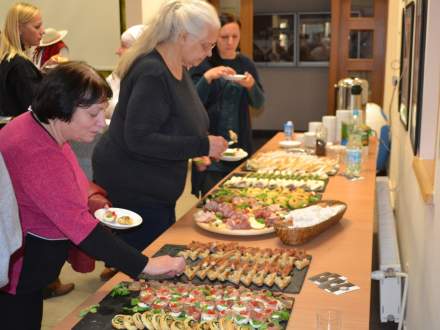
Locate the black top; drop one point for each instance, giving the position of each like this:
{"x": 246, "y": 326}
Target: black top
{"x": 43, "y": 258}
{"x": 158, "y": 124}
{"x": 18, "y": 79}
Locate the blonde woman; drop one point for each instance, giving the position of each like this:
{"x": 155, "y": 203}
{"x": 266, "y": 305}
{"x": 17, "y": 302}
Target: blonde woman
{"x": 159, "y": 122}
{"x": 18, "y": 75}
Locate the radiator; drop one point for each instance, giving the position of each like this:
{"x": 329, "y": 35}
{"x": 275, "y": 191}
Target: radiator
{"x": 390, "y": 288}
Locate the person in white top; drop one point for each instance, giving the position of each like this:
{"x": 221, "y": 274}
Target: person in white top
{"x": 52, "y": 49}
{"x": 127, "y": 40}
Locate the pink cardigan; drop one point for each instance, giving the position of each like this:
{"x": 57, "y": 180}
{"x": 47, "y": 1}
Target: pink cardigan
{"x": 50, "y": 186}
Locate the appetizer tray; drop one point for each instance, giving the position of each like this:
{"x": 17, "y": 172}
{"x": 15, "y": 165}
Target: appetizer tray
{"x": 249, "y": 210}
{"x": 291, "y": 163}
{"x": 291, "y": 277}
{"x": 165, "y": 305}
{"x": 308, "y": 182}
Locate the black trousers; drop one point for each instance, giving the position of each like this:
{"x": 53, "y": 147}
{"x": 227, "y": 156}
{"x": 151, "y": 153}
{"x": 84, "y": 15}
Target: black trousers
{"x": 21, "y": 311}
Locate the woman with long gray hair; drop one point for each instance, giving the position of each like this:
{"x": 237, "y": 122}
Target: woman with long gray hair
{"x": 159, "y": 122}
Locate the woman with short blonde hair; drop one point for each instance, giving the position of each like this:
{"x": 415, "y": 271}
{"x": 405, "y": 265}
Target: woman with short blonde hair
{"x": 18, "y": 75}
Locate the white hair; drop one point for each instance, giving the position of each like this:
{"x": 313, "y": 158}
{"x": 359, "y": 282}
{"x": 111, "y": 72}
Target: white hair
{"x": 132, "y": 34}
{"x": 173, "y": 18}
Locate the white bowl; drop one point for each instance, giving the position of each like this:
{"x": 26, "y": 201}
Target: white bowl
{"x": 289, "y": 144}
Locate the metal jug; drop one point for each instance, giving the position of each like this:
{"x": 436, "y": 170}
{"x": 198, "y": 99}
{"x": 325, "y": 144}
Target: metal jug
{"x": 343, "y": 93}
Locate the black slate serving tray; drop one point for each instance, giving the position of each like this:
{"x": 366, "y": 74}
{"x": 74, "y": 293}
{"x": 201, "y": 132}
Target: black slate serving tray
{"x": 108, "y": 308}
{"x": 294, "y": 286}
{"x": 111, "y": 306}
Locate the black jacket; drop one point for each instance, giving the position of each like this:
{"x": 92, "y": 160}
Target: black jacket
{"x": 18, "y": 80}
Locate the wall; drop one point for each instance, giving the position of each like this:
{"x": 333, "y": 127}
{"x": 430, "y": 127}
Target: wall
{"x": 93, "y": 27}
{"x": 292, "y": 93}
{"x": 149, "y": 9}
{"x": 418, "y": 224}
{"x": 133, "y": 12}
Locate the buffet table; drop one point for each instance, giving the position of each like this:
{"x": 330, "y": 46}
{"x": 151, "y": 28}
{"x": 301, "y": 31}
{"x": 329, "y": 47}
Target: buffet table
{"x": 345, "y": 248}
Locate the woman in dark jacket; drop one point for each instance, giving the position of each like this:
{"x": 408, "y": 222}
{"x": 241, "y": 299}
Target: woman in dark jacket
{"x": 226, "y": 101}
{"x": 18, "y": 75}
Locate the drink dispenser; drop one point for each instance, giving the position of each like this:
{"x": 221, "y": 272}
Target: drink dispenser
{"x": 344, "y": 97}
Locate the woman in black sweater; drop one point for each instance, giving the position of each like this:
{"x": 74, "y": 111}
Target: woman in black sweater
{"x": 159, "y": 122}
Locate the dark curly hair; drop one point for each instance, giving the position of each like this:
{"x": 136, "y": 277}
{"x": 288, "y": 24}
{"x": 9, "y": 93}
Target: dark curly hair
{"x": 65, "y": 88}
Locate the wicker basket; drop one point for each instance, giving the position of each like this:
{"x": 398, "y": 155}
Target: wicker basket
{"x": 295, "y": 236}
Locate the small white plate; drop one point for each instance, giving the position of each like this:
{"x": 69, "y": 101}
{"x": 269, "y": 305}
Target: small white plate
{"x": 235, "y": 77}
{"x": 137, "y": 219}
{"x": 289, "y": 144}
{"x": 238, "y": 155}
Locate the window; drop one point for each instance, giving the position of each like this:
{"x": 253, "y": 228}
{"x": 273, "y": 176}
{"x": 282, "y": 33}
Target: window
{"x": 361, "y": 44}
{"x": 274, "y": 39}
{"x": 314, "y": 39}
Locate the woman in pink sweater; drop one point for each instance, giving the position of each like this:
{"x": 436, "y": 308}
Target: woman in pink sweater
{"x": 51, "y": 191}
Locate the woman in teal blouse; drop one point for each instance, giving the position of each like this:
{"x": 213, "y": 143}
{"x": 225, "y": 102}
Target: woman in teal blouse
{"x": 227, "y": 102}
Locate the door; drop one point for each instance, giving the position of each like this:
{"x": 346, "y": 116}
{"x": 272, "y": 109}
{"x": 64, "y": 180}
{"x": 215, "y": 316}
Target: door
{"x": 358, "y": 44}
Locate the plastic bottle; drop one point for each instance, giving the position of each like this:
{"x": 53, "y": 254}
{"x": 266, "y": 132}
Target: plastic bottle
{"x": 359, "y": 113}
{"x": 321, "y": 141}
{"x": 288, "y": 130}
{"x": 353, "y": 157}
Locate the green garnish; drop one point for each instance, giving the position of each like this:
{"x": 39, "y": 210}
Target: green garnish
{"x": 120, "y": 290}
{"x": 135, "y": 309}
{"x": 280, "y": 316}
{"x": 91, "y": 309}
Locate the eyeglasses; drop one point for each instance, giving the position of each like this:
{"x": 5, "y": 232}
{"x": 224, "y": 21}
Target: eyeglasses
{"x": 207, "y": 46}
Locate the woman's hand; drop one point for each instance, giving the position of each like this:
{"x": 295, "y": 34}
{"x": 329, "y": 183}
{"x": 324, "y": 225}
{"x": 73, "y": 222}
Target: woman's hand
{"x": 248, "y": 82}
{"x": 217, "y": 145}
{"x": 202, "y": 163}
{"x": 165, "y": 265}
{"x": 218, "y": 72}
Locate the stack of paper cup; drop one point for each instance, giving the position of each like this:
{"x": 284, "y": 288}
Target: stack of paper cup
{"x": 329, "y": 122}
{"x": 341, "y": 115}
{"x": 314, "y": 125}
{"x": 309, "y": 140}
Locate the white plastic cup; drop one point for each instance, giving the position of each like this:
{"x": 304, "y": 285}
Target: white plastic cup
{"x": 328, "y": 319}
{"x": 330, "y": 123}
{"x": 309, "y": 140}
{"x": 314, "y": 126}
